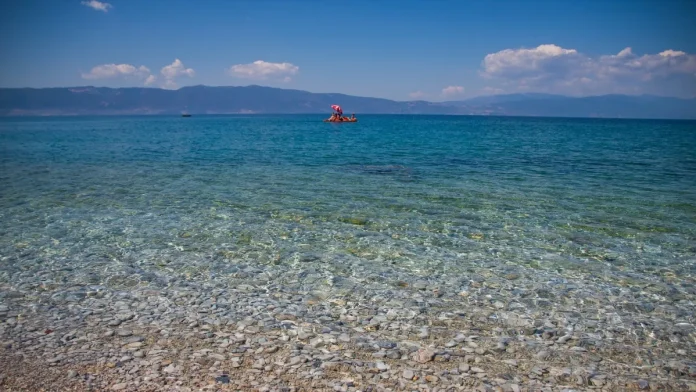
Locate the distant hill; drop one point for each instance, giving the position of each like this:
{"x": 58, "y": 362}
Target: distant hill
{"x": 196, "y": 100}
{"x": 504, "y": 98}
{"x": 603, "y": 106}
{"x": 256, "y": 99}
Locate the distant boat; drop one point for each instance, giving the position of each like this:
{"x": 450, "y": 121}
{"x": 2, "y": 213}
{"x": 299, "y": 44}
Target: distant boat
{"x": 338, "y": 116}
{"x": 185, "y": 115}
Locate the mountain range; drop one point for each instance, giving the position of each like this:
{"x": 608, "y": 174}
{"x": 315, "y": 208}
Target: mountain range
{"x": 257, "y": 99}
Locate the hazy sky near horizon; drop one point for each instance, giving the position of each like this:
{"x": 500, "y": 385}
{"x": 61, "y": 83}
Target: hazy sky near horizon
{"x": 410, "y": 49}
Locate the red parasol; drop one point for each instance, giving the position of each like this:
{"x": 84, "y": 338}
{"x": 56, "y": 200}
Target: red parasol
{"x": 337, "y": 108}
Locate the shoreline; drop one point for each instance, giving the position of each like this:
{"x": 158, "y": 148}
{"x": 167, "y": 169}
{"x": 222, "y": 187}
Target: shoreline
{"x": 205, "y": 337}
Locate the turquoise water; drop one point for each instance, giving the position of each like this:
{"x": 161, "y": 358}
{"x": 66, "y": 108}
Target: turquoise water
{"x": 115, "y": 203}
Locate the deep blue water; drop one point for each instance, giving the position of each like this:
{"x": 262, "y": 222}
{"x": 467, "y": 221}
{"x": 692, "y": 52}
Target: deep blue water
{"x": 413, "y": 197}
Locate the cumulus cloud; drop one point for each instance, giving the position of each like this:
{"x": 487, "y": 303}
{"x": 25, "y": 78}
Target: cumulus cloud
{"x": 417, "y": 95}
{"x": 173, "y": 71}
{"x": 97, "y": 5}
{"x": 176, "y": 69}
{"x": 111, "y": 71}
{"x": 170, "y": 73}
{"x": 552, "y": 68}
{"x": 263, "y": 70}
{"x": 150, "y": 80}
{"x": 451, "y": 91}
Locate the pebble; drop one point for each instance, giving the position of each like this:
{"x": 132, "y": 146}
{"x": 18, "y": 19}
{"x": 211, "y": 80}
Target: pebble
{"x": 304, "y": 335}
{"x": 424, "y": 355}
{"x": 408, "y": 374}
{"x": 393, "y": 354}
{"x": 424, "y": 333}
{"x": 563, "y": 339}
{"x": 295, "y": 361}
{"x": 511, "y": 362}
{"x": 420, "y": 285}
{"x": 543, "y": 355}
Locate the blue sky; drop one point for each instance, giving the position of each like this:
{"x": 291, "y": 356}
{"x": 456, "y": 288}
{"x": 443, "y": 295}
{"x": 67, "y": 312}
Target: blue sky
{"x": 426, "y": 49}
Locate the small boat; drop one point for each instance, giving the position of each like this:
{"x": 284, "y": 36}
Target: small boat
{"x": 338, "y": 116}
{"x": 186, "y": 115}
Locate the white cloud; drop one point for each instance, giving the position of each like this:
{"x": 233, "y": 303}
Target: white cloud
{"x": 150, "y": 80}
{"x": 669, "y": 53}
{"x": 110, "y": 71}
{"x": 174, "y": 70}
{"x": 97, "y": 5}
{"x": 263, "y": 70}
{"x": 552, "y": 68}
{"x": 625, "y": 52}
{"x": 169, "y": 84}
{"x": 451, "y": 91}
{"x": 417, "y": 95}
{"x": 170, "y": 73}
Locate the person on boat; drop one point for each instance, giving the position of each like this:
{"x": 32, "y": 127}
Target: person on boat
{"x": 339, "y": 117}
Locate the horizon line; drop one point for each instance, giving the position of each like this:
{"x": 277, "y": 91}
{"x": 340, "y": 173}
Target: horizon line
{"x": 194, "y": 114}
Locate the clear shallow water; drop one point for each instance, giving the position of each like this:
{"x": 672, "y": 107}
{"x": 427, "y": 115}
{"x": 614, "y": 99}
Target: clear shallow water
{"x": 334, "y": 209}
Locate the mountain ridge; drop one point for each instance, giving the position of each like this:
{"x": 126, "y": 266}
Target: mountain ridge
{"x": 255, "y": 99}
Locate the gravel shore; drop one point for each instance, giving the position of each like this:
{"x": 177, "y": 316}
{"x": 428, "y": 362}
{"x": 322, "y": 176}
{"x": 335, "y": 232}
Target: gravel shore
{"x": 416, "y": 336}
